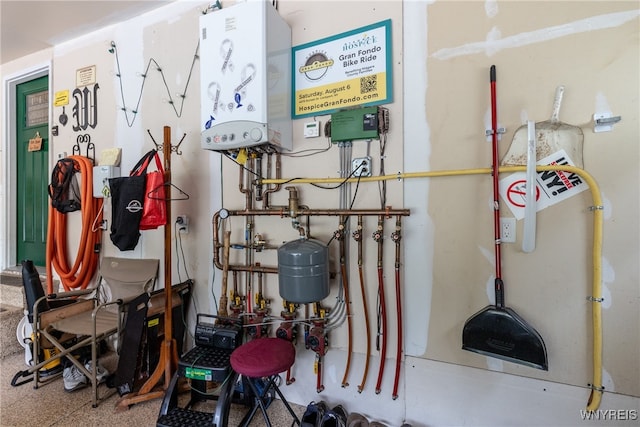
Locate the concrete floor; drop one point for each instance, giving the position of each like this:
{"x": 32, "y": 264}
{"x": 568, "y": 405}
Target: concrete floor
{"x": 50, "y": 405}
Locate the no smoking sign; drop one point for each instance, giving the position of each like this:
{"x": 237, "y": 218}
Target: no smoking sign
{"x": 551, "y": 186}
{"x": 517, "y": 193}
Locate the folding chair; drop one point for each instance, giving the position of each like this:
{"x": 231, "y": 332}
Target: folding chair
{"x": 123, "y": 287}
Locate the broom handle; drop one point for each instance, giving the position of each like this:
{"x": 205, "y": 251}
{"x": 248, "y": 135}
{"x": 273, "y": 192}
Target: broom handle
{"x": 499, "y": 289}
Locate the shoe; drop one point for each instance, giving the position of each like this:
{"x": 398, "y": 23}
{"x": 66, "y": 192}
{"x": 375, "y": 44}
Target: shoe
{"x": 101, "y": 372}
{"x": 337, "y": 417}
{"x": 313, "y": 415}
{"x": 357, "y": 420}
{"x": 73, "y": 379}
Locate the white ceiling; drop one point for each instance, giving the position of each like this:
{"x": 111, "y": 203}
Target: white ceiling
{"x": 29, "y": 26}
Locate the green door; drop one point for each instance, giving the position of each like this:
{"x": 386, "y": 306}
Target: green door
{"x": 32, "y": 202}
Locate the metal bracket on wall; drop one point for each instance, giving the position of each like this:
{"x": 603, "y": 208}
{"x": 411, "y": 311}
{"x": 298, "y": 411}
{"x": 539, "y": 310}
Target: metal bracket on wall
{"x": 603, "y": 122}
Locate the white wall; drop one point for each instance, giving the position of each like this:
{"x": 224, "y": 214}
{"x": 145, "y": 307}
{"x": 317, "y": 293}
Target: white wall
{"x": 437, "y": 123}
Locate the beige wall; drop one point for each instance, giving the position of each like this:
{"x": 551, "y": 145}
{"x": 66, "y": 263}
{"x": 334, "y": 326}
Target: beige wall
{"x": 548, "y": 286}
{"x": 439, "y": 115}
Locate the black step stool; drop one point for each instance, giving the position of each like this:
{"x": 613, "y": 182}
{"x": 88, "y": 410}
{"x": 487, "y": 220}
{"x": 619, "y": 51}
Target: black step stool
{"x": 200, "y": 364}
{"x": 208, "y": 361}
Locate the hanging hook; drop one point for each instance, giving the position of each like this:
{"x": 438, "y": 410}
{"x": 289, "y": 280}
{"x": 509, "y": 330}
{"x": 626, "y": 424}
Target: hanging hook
{"x": 160, "y": 147}
{"x": 85, "y": 139}
{"x": 176, "y": 148}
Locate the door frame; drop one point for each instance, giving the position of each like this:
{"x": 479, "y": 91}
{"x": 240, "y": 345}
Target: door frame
{"x": 8, "y": 192}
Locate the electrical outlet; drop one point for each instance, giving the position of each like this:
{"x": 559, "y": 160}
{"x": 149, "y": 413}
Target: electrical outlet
{"x": 182, "y": 222}
{"x": 507, "y": 230}
{"x": 361, "y": 166}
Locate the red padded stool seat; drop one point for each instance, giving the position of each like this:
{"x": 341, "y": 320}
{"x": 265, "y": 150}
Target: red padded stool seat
{"x": 264, "y": 358}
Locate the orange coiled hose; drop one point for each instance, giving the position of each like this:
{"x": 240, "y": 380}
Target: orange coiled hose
{"x": 86, "y": 262}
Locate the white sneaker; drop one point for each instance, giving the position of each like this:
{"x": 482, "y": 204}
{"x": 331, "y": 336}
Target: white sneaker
{"x": 73, "y": 378}
{"x": 101, "y": 372}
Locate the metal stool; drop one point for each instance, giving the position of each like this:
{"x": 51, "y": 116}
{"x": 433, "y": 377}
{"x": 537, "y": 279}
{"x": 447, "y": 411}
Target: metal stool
{"x": 264, "y": 358}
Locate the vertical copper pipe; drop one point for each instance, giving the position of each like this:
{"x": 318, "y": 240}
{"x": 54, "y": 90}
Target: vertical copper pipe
{"x": 222, "y": 309}
{"x": 290, "y": 378}
{"x": 378, "y": 235}
{"x": 276, "y": 187}
{"x": 345, "y": 285}
{"x": 244, "y": 190}
{"x": 396, "y": 238}
{"x": 319, "y": 385}
{"x": 236, "y": 294}
{"x": 357, "y": 235}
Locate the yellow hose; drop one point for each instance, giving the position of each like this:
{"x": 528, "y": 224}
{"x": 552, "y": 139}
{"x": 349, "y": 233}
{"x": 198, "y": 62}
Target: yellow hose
{"x": 596, "y": 293}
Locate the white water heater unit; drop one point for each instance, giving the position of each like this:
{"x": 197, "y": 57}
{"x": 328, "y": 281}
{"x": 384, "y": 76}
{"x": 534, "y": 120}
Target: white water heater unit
{"x": 245, "y": 77}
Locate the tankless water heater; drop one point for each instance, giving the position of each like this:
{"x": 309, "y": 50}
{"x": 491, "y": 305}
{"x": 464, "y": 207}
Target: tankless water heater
{"x": 245, "y": 76}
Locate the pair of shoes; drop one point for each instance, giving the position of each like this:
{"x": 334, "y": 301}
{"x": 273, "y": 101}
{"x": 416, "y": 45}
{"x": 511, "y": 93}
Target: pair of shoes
{"x": 313, "y": 415}
{"x": 101, "y": 372}
{"x": 336, "y": 417}
{"x": 73, "y": 379}
{"x": 357, "y": 420}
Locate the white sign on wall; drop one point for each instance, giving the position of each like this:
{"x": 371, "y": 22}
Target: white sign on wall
{"x": 551, "y": 186}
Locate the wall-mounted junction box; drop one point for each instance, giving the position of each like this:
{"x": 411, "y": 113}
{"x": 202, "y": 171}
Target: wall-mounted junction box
{"x": 101, "y": 175}
{"x": 349, "y": 125}
{"x": 361, "y": 166}
{"x": 245, "y": 77}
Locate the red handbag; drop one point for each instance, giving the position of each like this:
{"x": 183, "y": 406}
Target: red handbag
{"x": 154, "y": 207}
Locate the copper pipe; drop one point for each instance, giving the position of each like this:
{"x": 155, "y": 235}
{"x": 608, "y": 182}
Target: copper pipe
{"x": 378, "y": 236}
{"x": 277, "y": 187}
{"x": 345, "y": 286}
{"x": 222, "y": 310}
{"x": 217, "y": 245}
{"x": 242, "y": 189}
{"x": 396, "y": 236}
{"x": 259, "y": 186}
{"x": 319, "y": 385}
{"x": 248, "y": 256}
{"x": 357, "y": 236}
{"x": 235, "y": 287}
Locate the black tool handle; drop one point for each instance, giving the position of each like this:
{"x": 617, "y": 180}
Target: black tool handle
{"x": 499, "y": 288}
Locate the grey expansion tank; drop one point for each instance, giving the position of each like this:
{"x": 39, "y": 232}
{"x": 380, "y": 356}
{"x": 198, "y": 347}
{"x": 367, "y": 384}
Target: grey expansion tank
{"x": 303, "y": 271}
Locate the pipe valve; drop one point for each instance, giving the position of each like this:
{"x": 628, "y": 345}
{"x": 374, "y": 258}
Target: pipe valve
{"x": 293, "y": 201}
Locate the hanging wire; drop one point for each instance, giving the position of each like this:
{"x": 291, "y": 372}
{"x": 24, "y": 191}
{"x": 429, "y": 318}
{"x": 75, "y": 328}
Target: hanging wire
{"x": 180, "y": 249}
{"x": 180, "y": 252}
{"x": 382, "y": 186}
{"x": 183, "y": 95}
{"x": 309, "y": 151}
{"x": 346, "y": 179}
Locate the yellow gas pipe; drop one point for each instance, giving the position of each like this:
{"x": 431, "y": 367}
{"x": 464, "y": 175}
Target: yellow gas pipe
{"x": 596, "y": 298}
